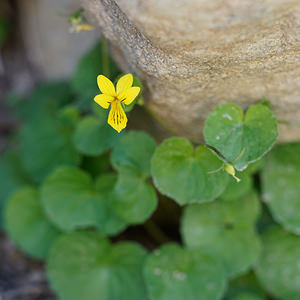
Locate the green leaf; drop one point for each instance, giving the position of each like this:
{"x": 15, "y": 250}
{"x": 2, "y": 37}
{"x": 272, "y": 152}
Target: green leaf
{"x": 84, "y": 80}
{"x": 134, "y": 152}
{"x": 224, "y": 229}
{"x": 109, "y": 223}
{"x": 27, "y": 224}
{"x": 278, "y": 268}
{"x": 82, "y": 265}
{"x": 134, "y": 199}
{"x": 72, "y": 200}
{"x": 245, "y": 286}
{"x": 46, "y": 143}
{"x": 186, "y": 175}
{"x": 281, "y": 185}
{"x": 93, "y": 136}
{"x": 45, "y": 100}
{"x": 12, "y": 177}
{"x": 241, "y": 139}
{"x": 172, "y": 273}
{"x": 68, "y": 199}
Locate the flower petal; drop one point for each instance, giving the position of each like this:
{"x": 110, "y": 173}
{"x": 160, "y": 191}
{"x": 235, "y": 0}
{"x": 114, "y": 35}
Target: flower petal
{"x": 124, "y": 83}
{"x": 117, "y": 118}
{"x": 128, "y": 96}
{"x": 103, "y": 100}
{"x": 106, "y": 86}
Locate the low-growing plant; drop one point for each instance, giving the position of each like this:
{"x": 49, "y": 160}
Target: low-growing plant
{"x": 116, "y": 216}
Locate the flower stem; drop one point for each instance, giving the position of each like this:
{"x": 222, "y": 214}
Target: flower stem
{"x": 105, "y": 57}
{"x": 156, "y": 233}
{"x": 160, "y": 121}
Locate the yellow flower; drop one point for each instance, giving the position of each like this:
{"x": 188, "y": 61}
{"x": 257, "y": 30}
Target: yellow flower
{"x": 83, "y": 27}
{"x": 115, "y": 98}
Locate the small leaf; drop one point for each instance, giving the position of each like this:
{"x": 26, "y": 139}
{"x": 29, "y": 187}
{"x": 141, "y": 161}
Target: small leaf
{"x": 186, "y": 175}
{"x": 134, "y": 199}
{"x": 82, "y": 265}
{"x": 134, "y": 151}
{"x": 241, "y": 139}
{"x": 281, "y": 185}
{"x": 224, "y": 229}
{"x": 278, "y": 268}
{"x": 245, "y": 286}
{"x": 172, "y": 273}
{"x": 72, "y": 200}
{"x": 27, "y": 224}
{"x": 93, "y": 136}
{"x": 46, "y": 144}
{"x": 68, "y": 199}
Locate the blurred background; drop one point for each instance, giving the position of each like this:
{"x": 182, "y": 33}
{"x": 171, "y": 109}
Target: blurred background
{"x": 36, "y": 45}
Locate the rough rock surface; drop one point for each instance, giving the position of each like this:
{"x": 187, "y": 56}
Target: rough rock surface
{"x": 195, "y": 54}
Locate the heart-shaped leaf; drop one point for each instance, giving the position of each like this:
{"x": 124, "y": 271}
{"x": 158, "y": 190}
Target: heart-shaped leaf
{"x": 241, "y": 139}
{"x": 134, "y": 151}
{"x": 186, "y": 175}
{"x": 278, "y": 268}
{"x": 72, "y": 200}
{"x": 134, "y": 199}
{"x": 172, "y": 273}
{"x": 281, "y": 185}
{"x": 82, "y": 265}
{"x": 224, "y": 229}
{"x": 46, "y": 143}
{"x": 27, "y": 224}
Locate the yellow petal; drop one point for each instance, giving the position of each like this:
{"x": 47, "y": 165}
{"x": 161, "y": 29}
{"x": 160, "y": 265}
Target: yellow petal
{"x": 117, "y": 118}
{"x": 124, "y": 83}
{"x": 83, "y": 27}
{"x": 106, "y": 86}
{"x": 128, "y": 96}
{"x": 103, "y": 100}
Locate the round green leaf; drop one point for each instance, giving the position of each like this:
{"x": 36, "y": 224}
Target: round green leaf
{"x": 108, "y": 222}
{"x": 134, "y": 199}
{"x": 278, "y": 268}
{"x": 241, "y": 139}
{"x": 27, "y": 224}
{"x": 186, "y": 175}
{"x": 93, "y": 136}
{"x": 72, "y": 200}
{"x": 46, "y": 144}
{"x": 68, "y": 199}
{"x": 225, "y": 229}
{"x": 172, "y": 273}
{"x": 245, "y": 286}
{"x": 134, "y": 151}
{"x": 281, "y": 185}
{"x": 82, "y": 265}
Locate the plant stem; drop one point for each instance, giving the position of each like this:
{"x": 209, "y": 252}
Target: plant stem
{"x": 160, "y": 121}
{"x": 105, "y": 57}
{"x": 288, "y": 123}
{"x": 156, "y": 233}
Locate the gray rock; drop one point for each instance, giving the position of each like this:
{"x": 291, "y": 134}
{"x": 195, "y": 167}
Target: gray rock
{"x": 195, "y": 54}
